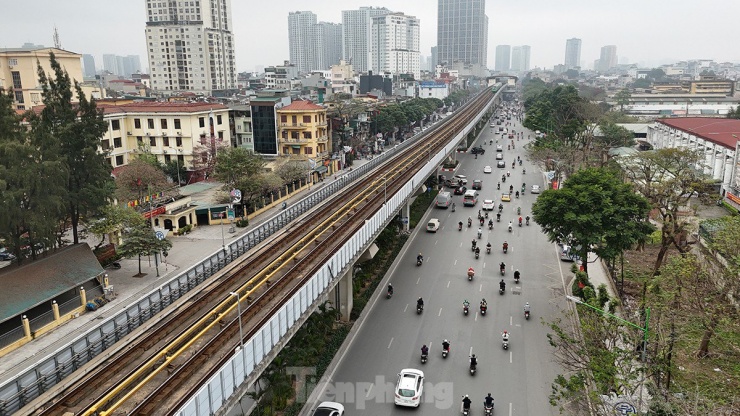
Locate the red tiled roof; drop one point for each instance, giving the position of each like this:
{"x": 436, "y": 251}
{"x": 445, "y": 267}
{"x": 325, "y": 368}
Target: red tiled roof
{"x": 302, "y": 106}
{"x": 160, "y": 107}
{"x": 722, "y": 131}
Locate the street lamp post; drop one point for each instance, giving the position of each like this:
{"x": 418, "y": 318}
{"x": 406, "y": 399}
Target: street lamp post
{"x": 177, "y": 159}
{"x": 239, "y": 312}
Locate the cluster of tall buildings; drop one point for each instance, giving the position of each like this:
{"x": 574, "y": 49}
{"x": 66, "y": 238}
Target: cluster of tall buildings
{"x": 512, "y": 58}
{"x": 607, "y": 59}
{"x": 370, "y": 38}
{"x": 123, "y": 66}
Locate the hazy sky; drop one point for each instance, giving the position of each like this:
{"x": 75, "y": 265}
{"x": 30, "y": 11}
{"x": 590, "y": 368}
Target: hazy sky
{"x": 649, "y": 32}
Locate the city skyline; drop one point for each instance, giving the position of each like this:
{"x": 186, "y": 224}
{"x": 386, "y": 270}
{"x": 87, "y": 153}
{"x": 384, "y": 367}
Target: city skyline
{"x": 554, "y": 23}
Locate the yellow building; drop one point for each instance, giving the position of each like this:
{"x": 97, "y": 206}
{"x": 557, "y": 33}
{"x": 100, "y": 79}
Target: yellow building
{"x": 168, "y": 130}
{"x": 302, "y": 131}
{"x": 18, "y": 70}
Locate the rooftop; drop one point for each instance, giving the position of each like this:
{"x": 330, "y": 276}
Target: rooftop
{"x": 33, "y": 283}
{"x": 302, "y": 106}
{"x": 160, "y": 107}
{"x": 723, "y": 131}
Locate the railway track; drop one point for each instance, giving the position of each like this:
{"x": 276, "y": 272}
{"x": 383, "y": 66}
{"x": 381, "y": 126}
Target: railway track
{"x": 164, "y": 366}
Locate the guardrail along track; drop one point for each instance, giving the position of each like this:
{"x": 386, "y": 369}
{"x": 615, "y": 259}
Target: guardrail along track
{"x": 166, "y": 364}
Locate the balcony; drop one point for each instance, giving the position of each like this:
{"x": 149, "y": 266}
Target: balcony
{"x": 294, "y": 125}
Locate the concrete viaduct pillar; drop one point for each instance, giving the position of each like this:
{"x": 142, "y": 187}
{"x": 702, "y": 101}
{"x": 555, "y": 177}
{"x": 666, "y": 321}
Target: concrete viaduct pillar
{"x": 344, "y": 294}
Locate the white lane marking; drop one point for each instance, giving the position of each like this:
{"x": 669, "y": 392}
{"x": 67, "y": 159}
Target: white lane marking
{"x": 510, "y": 408}
{"x": 511, "y": 320}
{"x": 418, "y": 280}
{"x": 435, "y": 243}
{"x": 511, "y": 357}
{"x": 455, "y": 263}
{"x": 448, "y": 283}
{"x": 369, "y": 390}
{"x": 440, "y": 312}
{"x": 471, "y": 351}
{"x": 476, "y": 318}
{"x": 484, "y": 264}
{"x": 406, "y": 308}
{"x": 389, "y": 344}
{"x": 481, "y": 288}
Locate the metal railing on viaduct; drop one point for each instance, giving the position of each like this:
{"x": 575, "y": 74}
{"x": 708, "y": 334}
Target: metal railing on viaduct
{"x": 54, "y": 368}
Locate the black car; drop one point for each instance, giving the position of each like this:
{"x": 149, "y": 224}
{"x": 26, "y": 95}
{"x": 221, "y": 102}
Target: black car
{"x": 478, "y": 150}
{"x": 460, "y": 190}
{"x": 500, "y": 164}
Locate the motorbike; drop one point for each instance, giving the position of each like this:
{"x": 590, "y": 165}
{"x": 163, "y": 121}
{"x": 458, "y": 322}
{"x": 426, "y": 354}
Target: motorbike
{"x": 503, "y": 178}
{"x": 471, "y": 273}
{"x": 516, "y": 279}
{"x": 470, "y": 223}
{"x": 423, "y": 358}
{"x": 445, "y": 351}
{"x": 520, "y": 223}
{"x": 517, "y": 195}
{"x": 510, "y": 228}
{"x": 466, "y": 309}
{"x": 527, "y": 220}
{"x": 503, "y": 271}
{"x": 498, "y": 185}
{"x": 487, "y": 410}
{"x": 486, "y": 215}
{"x": 389, "y": 294}
{"x": 526, "y": 315}
{"x": 419, "y": 261}
{"x": 480, "y": 234}
{"x": 505, "y": 344}
{"x": 459, "y": 227}
{"x": 115, "y": 265}
{"x": 524, "y": 171}
{"x": 498, "y": 217}
{"x": 473, "y": 368}
{"x": 508, "y": 173}
{"x": 488, "y": 250}
{"x": 506, "y": 248}
{"x": 419, "y": 309}
{"x": 490, "y": 225}
{"x": 500, "y": 208}
{"x": 453, "y": 207}
{"x": 501, "y": 290}
{"x": 483, "y": 309}
{"x": 477, "y": 254}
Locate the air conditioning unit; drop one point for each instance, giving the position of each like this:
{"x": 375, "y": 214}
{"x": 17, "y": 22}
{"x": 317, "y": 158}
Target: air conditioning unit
{"x": 129, "y": 133}
{"x": 148, "y": 134}
{"x": 179, "y": 133}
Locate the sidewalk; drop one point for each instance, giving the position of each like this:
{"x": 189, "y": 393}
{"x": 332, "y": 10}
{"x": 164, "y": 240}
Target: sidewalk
{"x": 186, "y": 251}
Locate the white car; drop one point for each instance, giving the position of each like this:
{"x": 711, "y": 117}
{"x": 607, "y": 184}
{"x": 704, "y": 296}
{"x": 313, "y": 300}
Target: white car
{"x": 409, "y": 387}
{"x": 488, "y": 205}
{"x": 499, "y": 156}
{"x": 535, "y": 189}
{"x": 460, "y": 178}
{"x": 329, "y": 409}
{"x": 433, "y": 225}
{"x": 487, "y": 169}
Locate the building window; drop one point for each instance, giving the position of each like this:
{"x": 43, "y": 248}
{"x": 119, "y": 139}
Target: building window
{"x": 153, "y": 141}
{"x": 306, "y": 134}
{"x": 150, "y": 123}
{"x": 35, "y": 97}
{"x": 139, "y": 141}
{"x": 177, "y": 124}
{"x": 117, "y": 142}
{"x": 12, "y": 62}
{"x": 16, "y": 80}
{"x": 137, "y": 123}
{"x": 307, "y": 119}
{"x": 201, "y": 121}
{"x": 218, "y": 119}
{"x": 165, "y": 141}
{"x": 115, "y": 124}
{"x": 178, "y": 142}
{"x": 105, "y": 144}
{"x": 163, "y": 123}
{"x": 119, "y": 160}
{"x": 309, "y": 150}
{"x": 19, "y": 97}
{"x": 220, "y": 135}
{"x": 283, "y": 118}
{"x": 167, "y": 158}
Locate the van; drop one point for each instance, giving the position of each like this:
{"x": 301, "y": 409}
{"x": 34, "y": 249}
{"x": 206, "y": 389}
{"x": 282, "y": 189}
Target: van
{"x": 470, "y": 198}
{"x": 433, "y": 225}
{"x": 444, "y": 199}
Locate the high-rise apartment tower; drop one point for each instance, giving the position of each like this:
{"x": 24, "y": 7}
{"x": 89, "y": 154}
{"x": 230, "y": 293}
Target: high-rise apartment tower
{"x": 302, "y": 40}
{"x": 503, "y": 58}
{"x": 572, "y": 53}
{"x": 462, "y": 34}
{"x": 394, "y": 45}
{"x": 356, "y": 32}
{"x": 191, "y": 46}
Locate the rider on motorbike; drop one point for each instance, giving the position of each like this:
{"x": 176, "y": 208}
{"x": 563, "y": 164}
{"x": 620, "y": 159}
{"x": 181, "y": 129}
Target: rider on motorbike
{"x": 480, "y": 232}
{"x": 483, "y": 304}
{"x": 506, "y": 246}
{"x": 498, "y": 185}
{"x": 474, "y": 244}
{"x": 420, "y": 303}
{"x": 520, "y": 220}
{"x": 526, "y": 307}
{"x": 477, "y": 251}
{"x": 510, "y": 225}
{"x": 517, "y": 194}
{"x": 473, "y": 361}
{"x": 466, "y": 304}
{"x": 527, "y": 218}
{"x": 466, "y": 403}
{"x": 517, "y": 275}
{"x": 390, "y": 289}
{"x": 502, "y": 284}
{"x": 505, "y": 336}
{"x": 459, "y": 225}
{"x": 446, "y": 345}
{"x": 488, "y": 247}
{"x": 490, "y": 223}
{"x": 502, "y": 266}
{"x": 489, "y": 401}
{"x": 424, "y": 350}
{"x": 498, "y": 216}
{"x": 470, "y": 221}
{"x": 419, "y": 258}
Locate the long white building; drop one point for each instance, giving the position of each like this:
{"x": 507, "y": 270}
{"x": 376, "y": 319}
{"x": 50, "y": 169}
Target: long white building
{"x": 302, "y": 40}
{"x": 356, "y": 32}
{"x": 190, "y": 46}
{"x": 394, "y": 47}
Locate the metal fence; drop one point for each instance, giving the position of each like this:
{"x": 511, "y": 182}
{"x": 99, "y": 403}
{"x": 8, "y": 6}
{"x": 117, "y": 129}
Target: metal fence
{"x": 70, "y": 305}
{"x": 16, "y": 393}
{"x": 11, "y": 336}
{"x": 41, "y": 321}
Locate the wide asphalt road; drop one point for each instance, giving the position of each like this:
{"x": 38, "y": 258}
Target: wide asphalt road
{"x": 391, "y": 337}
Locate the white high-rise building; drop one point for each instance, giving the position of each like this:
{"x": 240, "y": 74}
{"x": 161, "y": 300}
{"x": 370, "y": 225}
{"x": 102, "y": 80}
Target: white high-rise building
{"x": 608, "y": 58}
{"x": 329, "y": 41}
{"x": 572, "y": 53}
{"x": 503, "y": 58}
{"x": 395, "y": 45}
{"x": 302, "y": 40}
{"x": 356, "y": 32}
{"x": 520, "y": 58}
{"x": 190, "y": 46}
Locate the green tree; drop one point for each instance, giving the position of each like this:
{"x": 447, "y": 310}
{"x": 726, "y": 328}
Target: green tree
{"x": 293, "y": 170}
{"x": 613, "y": 136}
{"x": 669, "y": 178}
{"x": 656, "y": 74}
{"x": 141, "y": 241}
{"x": 31, "y": 186}
{"x": 114, "y": 218}
{"x": 71, "y": 133}
{"x": 594, "y": 211}
{"x": 572, "y": 73}
{"x": 734, "y": 113}
{"x": 622, "y": 98}
{"x": 175, "y": 170}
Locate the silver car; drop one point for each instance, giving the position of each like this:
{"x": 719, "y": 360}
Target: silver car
{"x": 535, "y": 189}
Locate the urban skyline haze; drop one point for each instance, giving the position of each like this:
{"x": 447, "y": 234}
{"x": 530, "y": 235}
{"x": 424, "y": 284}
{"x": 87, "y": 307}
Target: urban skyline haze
{"x": 262, "y": 39}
